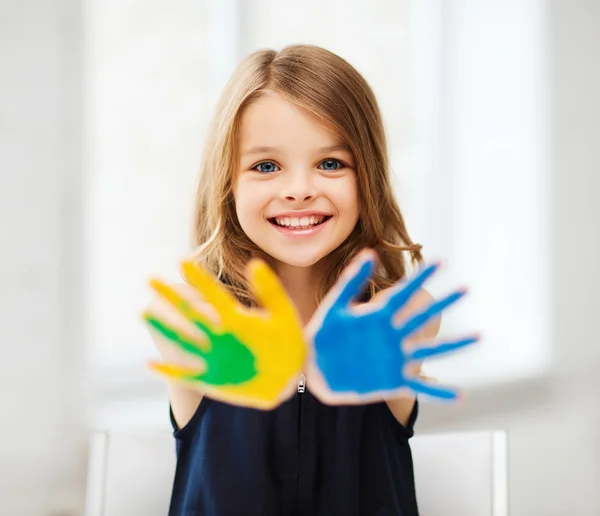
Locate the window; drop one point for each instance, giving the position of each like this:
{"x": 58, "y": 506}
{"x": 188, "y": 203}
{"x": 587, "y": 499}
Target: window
{"x": 153, "y": 72}
{"x": 479, "y": 157}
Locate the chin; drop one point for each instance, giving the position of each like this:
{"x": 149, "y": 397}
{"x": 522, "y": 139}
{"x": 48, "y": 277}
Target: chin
{"x": 298, "y": 257}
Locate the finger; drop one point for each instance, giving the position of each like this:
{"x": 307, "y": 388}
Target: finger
{"x": 183, "y": 306}
{"x": 444, "y": 393}
{"x": 175, "y": 371}
{"x": 215, "y": 293}
{"x": 419, "y": 320}
{"x": 268, "y": 290}
{"x": 354, "y": 279}
{"x": 439, "y": 349}
{"x": 404, "y": 291}
{"x": 175, "y": 336}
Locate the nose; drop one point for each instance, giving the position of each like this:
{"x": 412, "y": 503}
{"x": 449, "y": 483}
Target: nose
{"x": 299, "y": 187}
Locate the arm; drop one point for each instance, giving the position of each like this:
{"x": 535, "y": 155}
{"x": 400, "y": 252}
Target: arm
{"x": 184, "y": 400}
{"x": 401, "y": 407}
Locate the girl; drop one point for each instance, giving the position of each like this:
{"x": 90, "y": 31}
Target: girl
{"x": 295, "y": 172}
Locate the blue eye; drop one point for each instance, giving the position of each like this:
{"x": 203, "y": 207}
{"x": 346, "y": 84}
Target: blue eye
{"x": 266, "y": 167}
{"x": 332, "y": 165}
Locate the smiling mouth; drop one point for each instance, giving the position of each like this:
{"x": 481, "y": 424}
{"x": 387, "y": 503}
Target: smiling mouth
{"x": 299, "y": 223}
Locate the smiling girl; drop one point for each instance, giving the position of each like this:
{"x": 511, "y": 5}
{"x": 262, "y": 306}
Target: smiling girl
{"x": 295, "y": 172}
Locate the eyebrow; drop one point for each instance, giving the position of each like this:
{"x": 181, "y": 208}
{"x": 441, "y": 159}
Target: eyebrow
{"x": 260, "y": 150}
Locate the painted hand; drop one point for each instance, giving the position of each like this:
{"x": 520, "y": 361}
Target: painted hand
{"x": 253, "y": 356}
{"x": 359, "y": 354}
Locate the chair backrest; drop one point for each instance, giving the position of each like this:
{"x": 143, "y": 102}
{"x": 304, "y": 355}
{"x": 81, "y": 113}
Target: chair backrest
{"x": 461, "y": 473}
{"x": 130, "y": 474}
{"x": 456, "y": 474}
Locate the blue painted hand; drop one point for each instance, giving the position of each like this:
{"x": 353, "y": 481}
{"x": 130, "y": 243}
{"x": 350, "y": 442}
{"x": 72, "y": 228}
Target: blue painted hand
{"x": 359, "y": 353}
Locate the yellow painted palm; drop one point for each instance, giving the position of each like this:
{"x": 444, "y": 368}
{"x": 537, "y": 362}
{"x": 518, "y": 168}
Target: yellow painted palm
{"x": 252, "y": 356}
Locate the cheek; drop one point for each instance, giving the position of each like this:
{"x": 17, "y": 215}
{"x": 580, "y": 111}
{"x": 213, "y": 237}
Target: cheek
{"x": 250, "y": 201}
{"x": 241, "y": 201}
{"x": 347, "y": 197}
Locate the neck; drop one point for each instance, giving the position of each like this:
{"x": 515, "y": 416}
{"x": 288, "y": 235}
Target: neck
{"x": 301, "y": 284}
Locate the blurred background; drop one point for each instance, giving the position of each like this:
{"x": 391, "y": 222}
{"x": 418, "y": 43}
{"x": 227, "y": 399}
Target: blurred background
{"x": 491, "y": 109}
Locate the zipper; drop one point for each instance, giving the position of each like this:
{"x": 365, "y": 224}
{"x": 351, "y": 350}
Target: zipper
{"x": 301, "y": 383}
{"x": 301, "y": 389}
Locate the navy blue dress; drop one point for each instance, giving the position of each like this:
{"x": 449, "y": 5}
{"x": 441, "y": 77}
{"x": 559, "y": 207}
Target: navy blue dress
{"x": 302, "y": 458}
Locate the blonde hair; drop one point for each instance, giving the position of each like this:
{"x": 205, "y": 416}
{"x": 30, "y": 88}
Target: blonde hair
{"x": 329, "y": 88}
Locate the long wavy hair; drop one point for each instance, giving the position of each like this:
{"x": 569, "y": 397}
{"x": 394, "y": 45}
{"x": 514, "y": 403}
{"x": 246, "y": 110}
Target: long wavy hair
{"x": 329, "y": 88}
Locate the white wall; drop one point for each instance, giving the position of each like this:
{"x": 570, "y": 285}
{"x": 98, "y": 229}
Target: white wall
{"x": 41, "y": 434}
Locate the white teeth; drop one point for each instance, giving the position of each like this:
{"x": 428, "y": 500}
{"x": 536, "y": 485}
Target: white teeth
{"x": 301, "y": 222}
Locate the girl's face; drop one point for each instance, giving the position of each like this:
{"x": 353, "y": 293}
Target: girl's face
{"x": 295, "y": 190}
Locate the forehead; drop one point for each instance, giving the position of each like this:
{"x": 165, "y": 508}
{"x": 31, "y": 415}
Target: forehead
{"x": 273, "y": 121}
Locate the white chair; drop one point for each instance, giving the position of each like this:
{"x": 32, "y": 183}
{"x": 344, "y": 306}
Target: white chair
{"x": 456, "y": 474}
{"x": 461, "y": 473}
